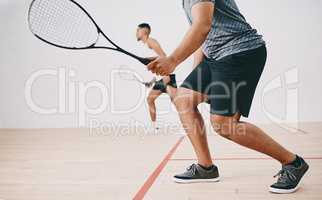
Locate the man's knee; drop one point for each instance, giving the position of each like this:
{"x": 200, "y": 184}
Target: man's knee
{"x": 172, "y": 92}
{"x": 150, "y": 99}
{"x": 223, "y": 125}
{"x": 183, "y": 99}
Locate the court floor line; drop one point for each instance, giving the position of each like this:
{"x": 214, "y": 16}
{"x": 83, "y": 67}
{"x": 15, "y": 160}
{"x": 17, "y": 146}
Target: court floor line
{"x": 295, "y": 129}
{"x": 149, "y": 182}
{"x": 235, "y": 158}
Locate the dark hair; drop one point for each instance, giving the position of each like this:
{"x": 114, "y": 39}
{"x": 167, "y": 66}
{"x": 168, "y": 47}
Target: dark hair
{"x": 145, "y": 25}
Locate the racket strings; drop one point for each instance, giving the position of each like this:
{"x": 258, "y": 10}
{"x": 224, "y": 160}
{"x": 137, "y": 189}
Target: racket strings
{"x": 63, "y": 23}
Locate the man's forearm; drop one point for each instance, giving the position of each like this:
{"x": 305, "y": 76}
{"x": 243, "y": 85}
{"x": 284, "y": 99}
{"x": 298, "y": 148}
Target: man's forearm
{"x": 198, "y": 57}
{"x": 192, "y": 41}
{"x": 202, "y": 14}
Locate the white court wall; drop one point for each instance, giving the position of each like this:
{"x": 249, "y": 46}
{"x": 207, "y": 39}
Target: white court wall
{"x": 290, "y": 88}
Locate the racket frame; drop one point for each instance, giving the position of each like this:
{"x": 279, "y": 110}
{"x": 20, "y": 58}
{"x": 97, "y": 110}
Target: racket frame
{"x": 117, "y": 48}
{"x": 135, "y": 77}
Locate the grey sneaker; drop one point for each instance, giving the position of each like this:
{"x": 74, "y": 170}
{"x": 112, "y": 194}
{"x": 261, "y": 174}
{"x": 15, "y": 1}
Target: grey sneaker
{"x": 289, "y": 178}
{"x": 196, "y": 174}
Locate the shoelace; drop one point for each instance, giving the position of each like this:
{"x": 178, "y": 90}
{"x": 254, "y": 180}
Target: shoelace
{"x": 192, "y": 169}
{"x": 284, "y": 175}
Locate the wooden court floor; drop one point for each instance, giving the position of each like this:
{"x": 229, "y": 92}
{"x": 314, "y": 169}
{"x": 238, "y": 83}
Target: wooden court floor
{"x": 79, "y": 164}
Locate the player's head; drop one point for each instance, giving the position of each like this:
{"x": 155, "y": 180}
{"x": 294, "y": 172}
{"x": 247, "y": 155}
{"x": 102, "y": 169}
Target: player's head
{"x": 143, "y": 31}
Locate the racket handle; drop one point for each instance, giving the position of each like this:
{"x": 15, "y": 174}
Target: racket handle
{"x": 145, "y": 61}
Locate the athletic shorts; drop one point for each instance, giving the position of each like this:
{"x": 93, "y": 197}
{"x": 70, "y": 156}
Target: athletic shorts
{"x": 161, "y": 86}
{"x": 230, "y": 82}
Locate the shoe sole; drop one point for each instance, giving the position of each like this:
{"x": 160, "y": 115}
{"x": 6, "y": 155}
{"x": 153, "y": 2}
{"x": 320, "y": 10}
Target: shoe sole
{"x": 212, "y": 180}
{"x": 284, "y": 191}
{"x": 287, "y": 191}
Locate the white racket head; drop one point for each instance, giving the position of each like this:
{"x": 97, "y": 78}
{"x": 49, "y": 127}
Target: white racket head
{"x": 62, "y": 23}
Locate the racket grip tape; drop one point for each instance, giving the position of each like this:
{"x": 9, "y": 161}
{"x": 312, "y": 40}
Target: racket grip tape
{"x": 145, "y": 61}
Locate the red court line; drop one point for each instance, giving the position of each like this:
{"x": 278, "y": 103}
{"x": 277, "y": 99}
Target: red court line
{"x": 249, "y": 158}
{"x": 149, "y": 182}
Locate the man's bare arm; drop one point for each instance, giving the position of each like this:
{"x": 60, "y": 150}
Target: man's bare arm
{"x": 198, "y": 57}
{"x": 202, "y": 14}
{"x": 156, "y": 47}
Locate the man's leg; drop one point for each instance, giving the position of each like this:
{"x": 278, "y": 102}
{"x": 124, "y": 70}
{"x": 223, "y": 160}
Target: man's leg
{"x": 172, "y": 92}
{"x": 153, "y": 95}
{"x": 250, "y": 136}
{"x": 186, "y": 102}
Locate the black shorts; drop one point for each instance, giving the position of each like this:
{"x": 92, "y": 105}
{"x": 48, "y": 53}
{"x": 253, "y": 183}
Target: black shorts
{"x": 161, "y": 86}
{"x": 230, "y": 82}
